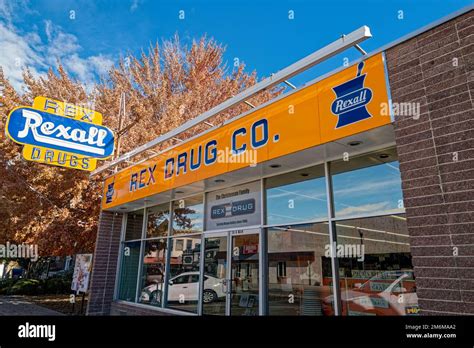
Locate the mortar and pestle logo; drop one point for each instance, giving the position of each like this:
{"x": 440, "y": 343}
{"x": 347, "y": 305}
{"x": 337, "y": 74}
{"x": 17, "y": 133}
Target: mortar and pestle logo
{"x": 110, "y": 193}
{"x": 352, "y": 97}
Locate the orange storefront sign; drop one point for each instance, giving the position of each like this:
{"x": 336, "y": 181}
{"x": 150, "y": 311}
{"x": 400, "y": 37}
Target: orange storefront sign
{"x": 346, "y": 103}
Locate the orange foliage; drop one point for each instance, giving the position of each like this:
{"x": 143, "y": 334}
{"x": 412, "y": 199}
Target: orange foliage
{"x": 58, "y": 208}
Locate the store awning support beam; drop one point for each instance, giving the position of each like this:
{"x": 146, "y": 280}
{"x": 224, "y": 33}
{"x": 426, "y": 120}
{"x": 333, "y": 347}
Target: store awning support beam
{"x": 343, "y": 43}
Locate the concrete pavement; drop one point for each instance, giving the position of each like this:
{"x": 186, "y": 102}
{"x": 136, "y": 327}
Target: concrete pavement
{"x": 18, "y": 305}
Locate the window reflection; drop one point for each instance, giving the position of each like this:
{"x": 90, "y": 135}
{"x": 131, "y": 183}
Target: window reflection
{"x": 375, "y": 268}
{"x": 134, "y": 226}
{"x": 296, "y": 197}
{"x": 188, "y": 215}
{"x": 158, "y": 221}
{"x": 215, "y": 284}
{"x": 129, "y": 271}
{"x": 153, "y": 272}
{"x": 299, "y": 274}
{"x": 367, "y": 185}
{"x": 183, "y": 285}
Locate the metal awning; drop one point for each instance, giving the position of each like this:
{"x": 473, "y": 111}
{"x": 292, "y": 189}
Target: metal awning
{"x": 343, "y": 43}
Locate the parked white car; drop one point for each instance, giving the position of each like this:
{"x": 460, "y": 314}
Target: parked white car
{"x": 185, "y": 287}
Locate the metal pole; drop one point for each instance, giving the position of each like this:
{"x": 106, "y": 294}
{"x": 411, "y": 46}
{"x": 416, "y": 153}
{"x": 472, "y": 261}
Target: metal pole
{"x": 82, "y": 303}
{"x": 333, "y": 240}
{"x": 121, "y": 117}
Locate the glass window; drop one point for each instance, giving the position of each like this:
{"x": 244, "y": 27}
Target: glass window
{"x": 153, "y": 272}
{"x": 296, "y": 197}
{"x": 367, "y": 185}
{"x": 188, "y": 215}
{"x": 180, "y": 280}
{"x": 375, "y": 268}
{"x": 183, "y": 286}
{"x": 134, "y": 227}
{"x": 129, "y": 271}
{"x": 244, "y": 275}
{"x": 299, "y": 273}
{"x": 215, "y": 284}
{"x": 179, "y": 245}
{"x": 158, "y": 221}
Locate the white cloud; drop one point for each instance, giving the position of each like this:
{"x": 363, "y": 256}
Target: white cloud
{"x": 367, "y": 208}
{"x": 27, "y": 49}
{"x": 18, "y": 52}
{"x": 134, "y": 5}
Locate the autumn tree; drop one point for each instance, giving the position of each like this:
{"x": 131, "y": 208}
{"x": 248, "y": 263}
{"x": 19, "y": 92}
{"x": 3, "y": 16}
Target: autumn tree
{"x": 168, "y": 84}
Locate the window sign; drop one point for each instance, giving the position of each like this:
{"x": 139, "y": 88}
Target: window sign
{"x": 234, "y": 207}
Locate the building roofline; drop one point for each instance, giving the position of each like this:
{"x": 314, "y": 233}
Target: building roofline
{"x": 383, "y": 48}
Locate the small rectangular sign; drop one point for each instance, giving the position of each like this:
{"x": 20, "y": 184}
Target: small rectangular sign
{"x": 233, "y": 207}
{"x": 58, "y": 158}
{"x": 60, "y": 108}
{"x": 82, "y": 271}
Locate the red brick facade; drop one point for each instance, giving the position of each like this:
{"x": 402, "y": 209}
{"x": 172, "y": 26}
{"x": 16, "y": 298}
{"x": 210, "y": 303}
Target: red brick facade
{"x": 436, "y": 155}
{"x": 104, "y": 268}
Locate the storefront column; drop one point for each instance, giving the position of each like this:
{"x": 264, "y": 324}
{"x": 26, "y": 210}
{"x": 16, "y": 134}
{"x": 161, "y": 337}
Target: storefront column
{"x": 432, "y": 75}
{"x": 104, "y": 269}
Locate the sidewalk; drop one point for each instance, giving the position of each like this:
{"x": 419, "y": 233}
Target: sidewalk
{"x": 18, "y": 305}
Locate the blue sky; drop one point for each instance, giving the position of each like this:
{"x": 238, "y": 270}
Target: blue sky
{"x": 259, "y": 33}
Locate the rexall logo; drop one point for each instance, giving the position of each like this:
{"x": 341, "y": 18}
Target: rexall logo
{"x": 34, "y": 127}
{"x": 352, "y": 97}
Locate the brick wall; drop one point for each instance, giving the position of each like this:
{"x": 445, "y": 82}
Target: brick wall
{"x": 105, "y": 263}
{"x": 435, "y": 69}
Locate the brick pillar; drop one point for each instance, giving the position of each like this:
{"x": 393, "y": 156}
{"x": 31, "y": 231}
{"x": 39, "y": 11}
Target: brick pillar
{"x": 104, "y": 263}
{"x": 435, "y": 69}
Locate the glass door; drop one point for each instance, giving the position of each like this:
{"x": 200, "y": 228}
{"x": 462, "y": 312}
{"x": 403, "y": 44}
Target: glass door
{"x": 231, "y": 273}
{"x": 214, "y": 290}
{"x": 244, "y": 273}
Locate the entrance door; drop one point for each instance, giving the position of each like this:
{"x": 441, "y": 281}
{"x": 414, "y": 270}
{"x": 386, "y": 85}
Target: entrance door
{"x": 231, "y": 284}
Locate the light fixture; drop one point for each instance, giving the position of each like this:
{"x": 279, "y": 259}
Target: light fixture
{"x": 219, "y": 180}
{"x": 179, "y": 191}
{"x": 384, "y": 156}
{"x": 275, "y": 165}
{"x": 304, "y": 174}
{"x": 354, "y": 143}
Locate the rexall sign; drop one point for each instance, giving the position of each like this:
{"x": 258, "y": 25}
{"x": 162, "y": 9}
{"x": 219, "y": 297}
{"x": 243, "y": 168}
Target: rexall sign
{"x": 60, "y": 134}
{"x": 34, "y": 127}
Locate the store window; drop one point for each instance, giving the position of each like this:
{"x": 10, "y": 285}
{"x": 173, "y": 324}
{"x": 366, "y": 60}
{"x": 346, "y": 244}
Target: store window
{"x": 188, "y": 215}
{"x": 179, "y": 244}
{"x": 367, "y": 185}
{"x": 298, "y": 196}
{"x": 215, "y": 268}
{"x": 129, "y": 271}
{"x": 130, "y": 256}
{"x": 183, "y": 284}
{"x": 134, "y": 227}
{"x": 299, "y": 270}
{"x": 375, "y": 266}
{"x": 153, "y": 272}
{"x": 158, "y": 221}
